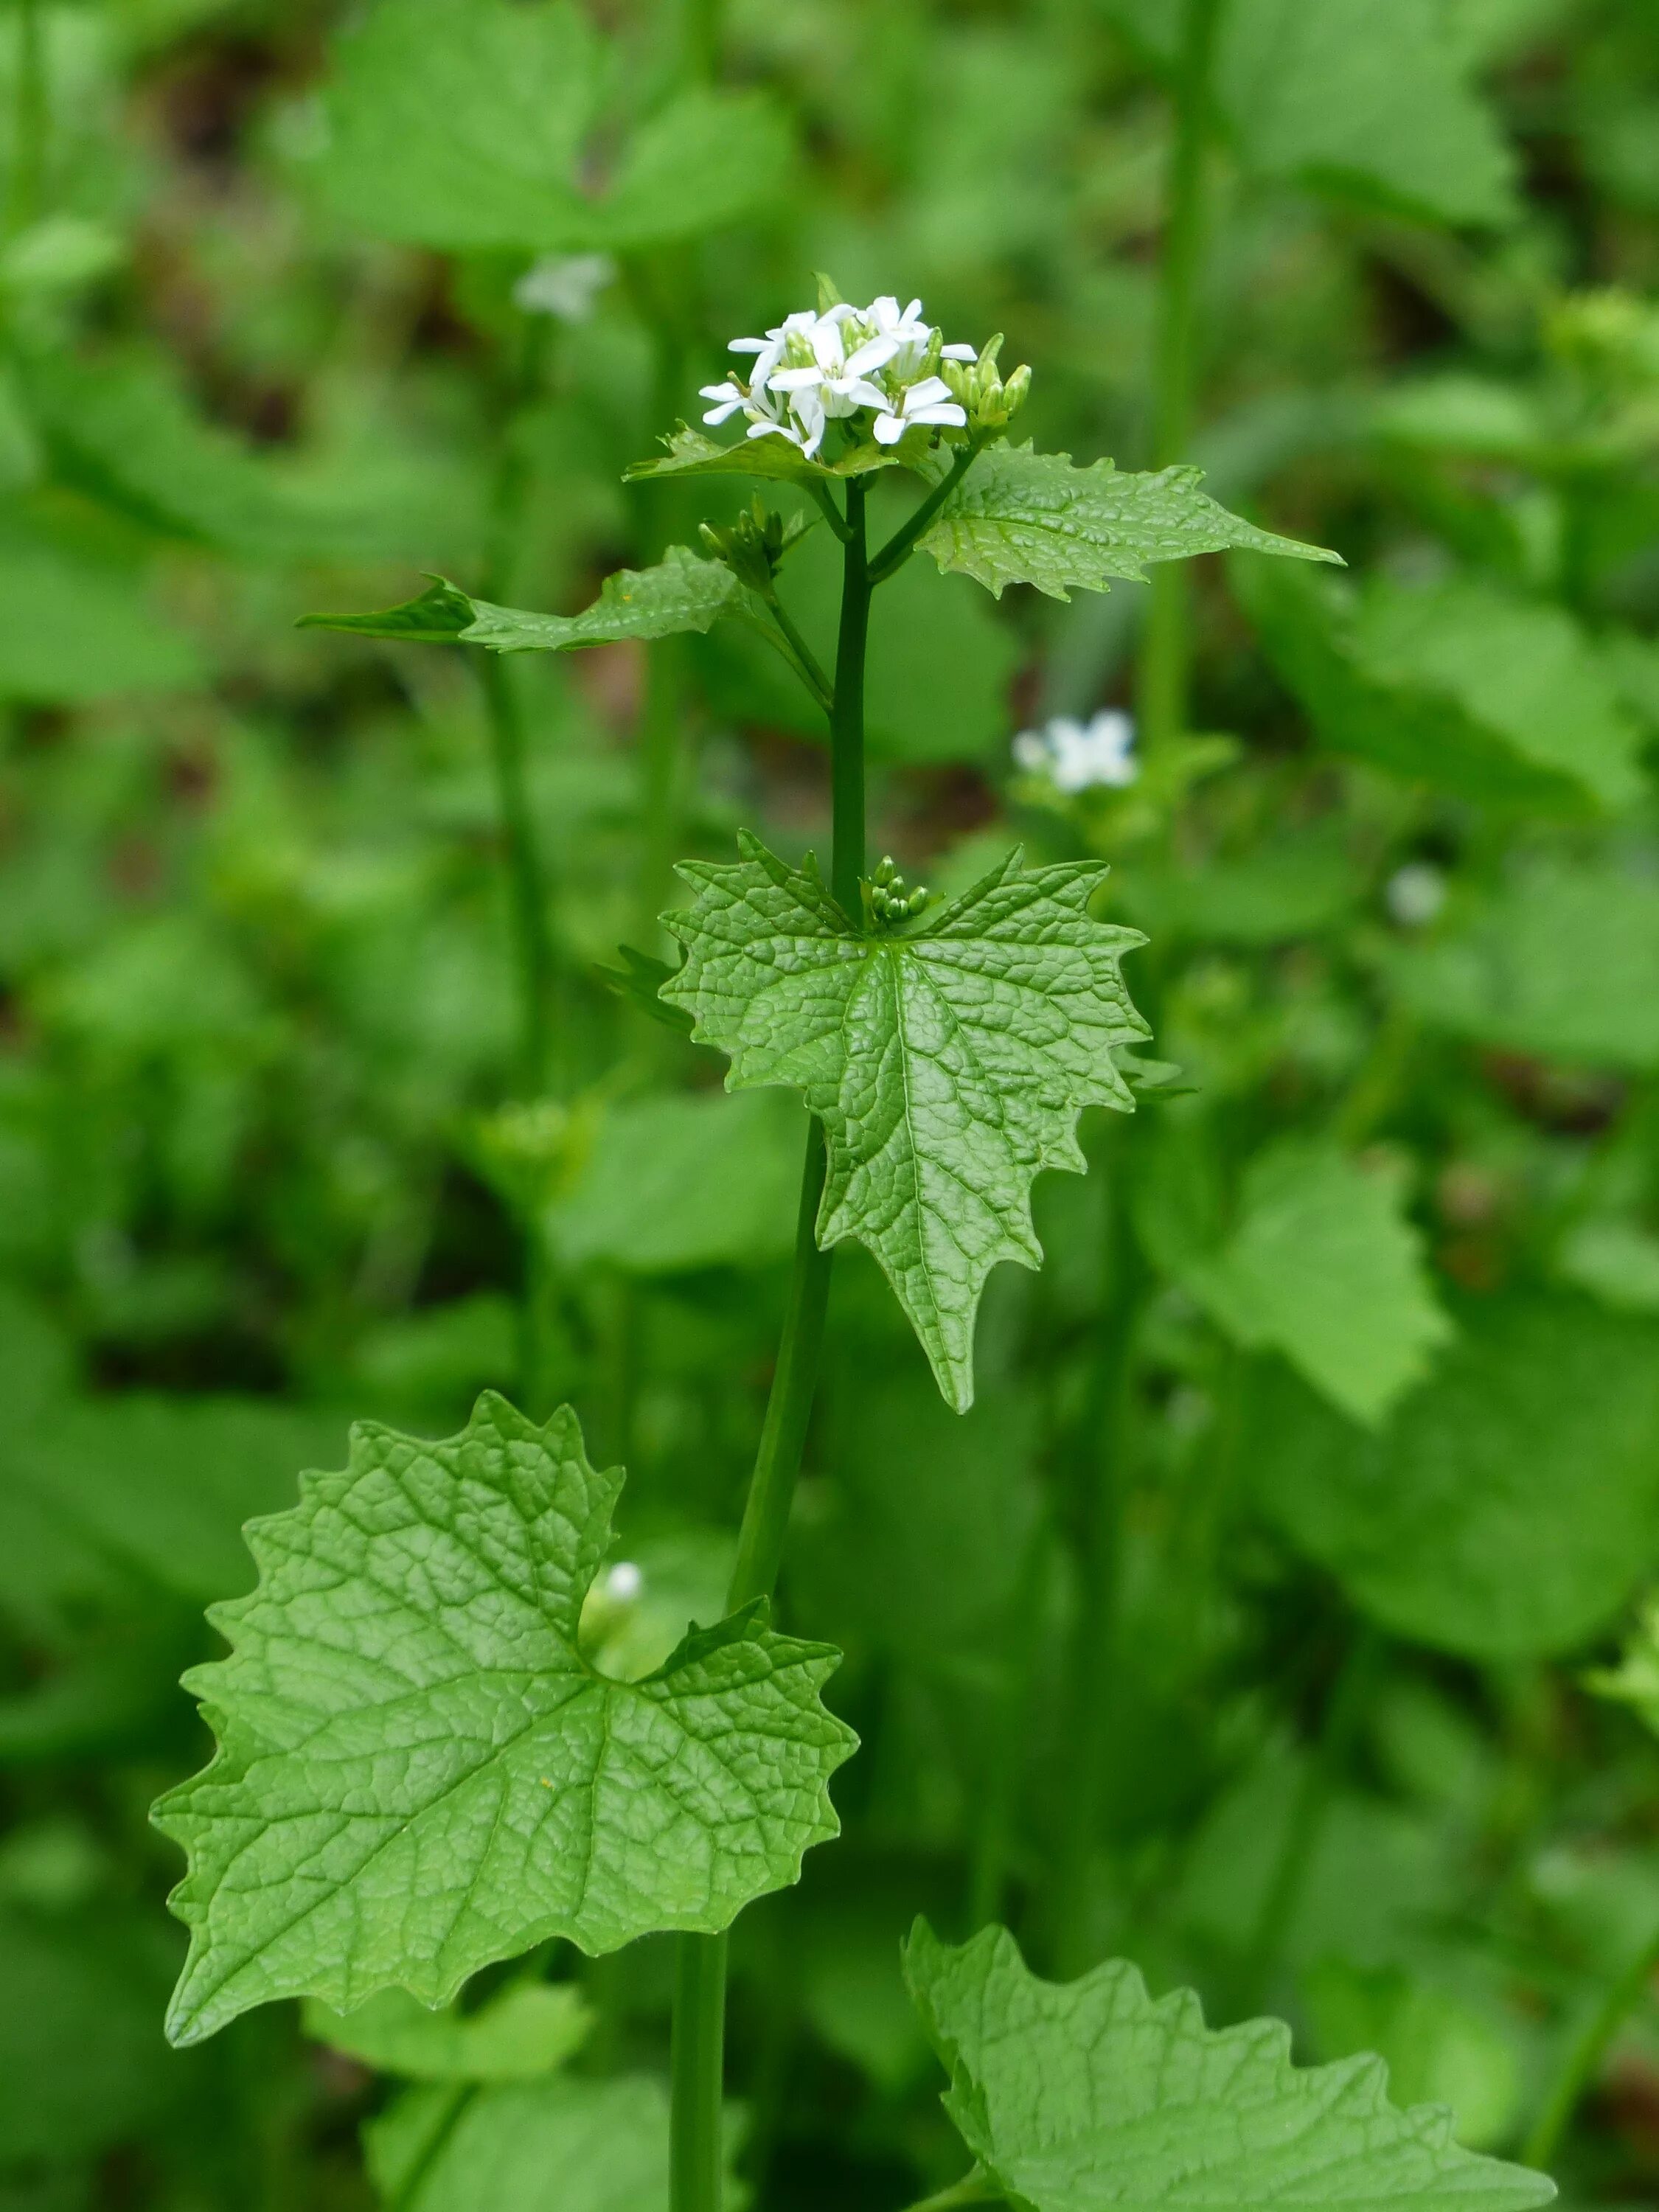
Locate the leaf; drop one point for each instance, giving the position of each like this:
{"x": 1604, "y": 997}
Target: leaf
{"x": 705, "y": 159}
{"x": 1512, "y": 1502}
{"x": 681, "y": 592}
{"x": 1364, "y": 100}
{"x": 441, "y": 616}
{"x": 587, "y": 2145}
{"x": 419, "y": 1773}
{"x": 1090, "y": 2093}
{"x": 676, "y": 1183}
{"x": 638, "y": 983}
{"x": 1446, "y": 714}
{"x": 459, "y": 124}
{"x": 1022, "y": 516}
{"x": 464, "y": 124}
{"x": 1438, "y": 2048}
{"x": 773, "y": 460}
{"x": 1521, "y": 668}
{"x": 1562, "y": 961}
{"x": 527, "y": 2029}
{"x": 948, "y": 1065}
{"x": 1324, "y": 1267}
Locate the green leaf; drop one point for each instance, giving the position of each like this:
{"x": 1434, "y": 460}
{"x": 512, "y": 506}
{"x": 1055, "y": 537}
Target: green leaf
{"x": 1022, "y": 516}
{"x": 527, "y": 2029}
{"x": 418, "y": 1773}
{"x": 441, "y": 616}
{"x": 1324, "y": 1267}
{"x": 464, "y": 124}
{"x": 775, "y": 460}
{"x": 639, "y": 981}
{"x": 1521, "y": 668}
{"x": 1510, "y": 1505}
{"x": 1366, "y": 100}
{"x": 1439, "y": 2049}
{"x": 1562, "y": 961}
{"x": 459, "y": 124}
{"x": 704, "y": 161}
{"x": 1079, "y": 2096}
{"x": 682, "y": 593}
{"x": 677, "y": 1183}
{"x": 1462, "y": 687}
{"x": 1635, "y": 1681}
{"x": 589, "y": 2146}
{"x": 947, "y": 1063}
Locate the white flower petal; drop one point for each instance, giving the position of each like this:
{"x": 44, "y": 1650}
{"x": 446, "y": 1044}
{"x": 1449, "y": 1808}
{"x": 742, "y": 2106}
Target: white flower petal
{"x": 888, "y": 429}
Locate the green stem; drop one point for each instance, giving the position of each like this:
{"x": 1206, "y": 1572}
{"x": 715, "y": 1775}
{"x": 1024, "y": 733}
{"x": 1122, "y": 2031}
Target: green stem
{"x": 847, "y": 713}
{"x": 696, "y": 2074}
{"x": 701, "y": 39}
{"x": 975, "y": 2188}
{"x": 789, "y": 1407}
{"x": 1348, "y": 1700}
{"x": 1092, "y": 1689}
{"x": 994, "y": 1828}
{"x": 533, "y": 940}
{"x": 902, "y": 543}
{"x": 1166, "y": 650}
{"x": 799, "y": 654}
{"x": 699, "y": 1974}
{"x": 1585, "y": 2053}
{"x": 29, "y": 155}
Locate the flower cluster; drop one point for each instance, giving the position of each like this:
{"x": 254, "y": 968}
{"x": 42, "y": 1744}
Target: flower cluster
{"x": 814, "y": 369}
{"x": 888, "y": 900}
{"x": 1077, "y": 755}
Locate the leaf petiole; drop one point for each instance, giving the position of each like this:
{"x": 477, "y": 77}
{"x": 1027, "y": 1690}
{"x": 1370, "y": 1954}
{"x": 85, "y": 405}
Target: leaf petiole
{"x": 975, "y": 2188}
{"x": 801, "y": 656}
{"x": 900, "y": 546}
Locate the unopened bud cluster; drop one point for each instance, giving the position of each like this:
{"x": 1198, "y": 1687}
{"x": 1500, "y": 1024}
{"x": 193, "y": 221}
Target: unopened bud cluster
{"x": 889, "y": 901}
{"x": 988, "y": 400}
{"x": 753, "y": 546}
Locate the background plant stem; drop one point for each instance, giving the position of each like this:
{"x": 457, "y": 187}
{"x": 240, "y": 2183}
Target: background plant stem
{"x": 700, "y": 1974}
{"x": 1585, "y": 2052}
{"x": 27, "y": 195}
{"x": 1166, "y": 650}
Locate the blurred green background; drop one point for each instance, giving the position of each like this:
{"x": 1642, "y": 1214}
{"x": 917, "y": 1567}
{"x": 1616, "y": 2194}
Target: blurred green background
{"x": 1242, "y": 1628}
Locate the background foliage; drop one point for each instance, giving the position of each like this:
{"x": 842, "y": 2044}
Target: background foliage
{"x": 1242, "y": 1627}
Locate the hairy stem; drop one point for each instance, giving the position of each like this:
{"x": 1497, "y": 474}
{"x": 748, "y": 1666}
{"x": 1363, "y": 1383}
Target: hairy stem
{"x": 1578, "y": 2065}
{"x": 700, "y": 1981}
{"x": 1166, "y": 650}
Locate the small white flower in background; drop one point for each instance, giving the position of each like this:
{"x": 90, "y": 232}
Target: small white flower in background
{"x": 1077, "y": 755}
{"x": 564, "y": 284}
{"x": 624, "y": 1583}
{"x": 842, "y": 362}
{"x": 1415, "y": 893}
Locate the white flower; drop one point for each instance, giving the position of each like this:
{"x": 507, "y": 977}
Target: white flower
{"x": 624, "y": 1583}
{"x": 930, "y": 401}
{"x": 564, "y": 284}
{"x": 870, "y": 362}
{"x": 1077, "y": 755}
{"x": 1415, "y": 893}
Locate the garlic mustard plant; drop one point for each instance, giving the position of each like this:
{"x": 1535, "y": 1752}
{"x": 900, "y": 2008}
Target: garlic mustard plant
{"x": 421, "y": 1770}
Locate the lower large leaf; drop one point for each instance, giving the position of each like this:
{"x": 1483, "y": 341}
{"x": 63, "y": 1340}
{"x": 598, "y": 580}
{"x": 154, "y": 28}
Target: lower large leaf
{"x": 1074, "y": 2097}
{"x": 419, "y": 1772}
